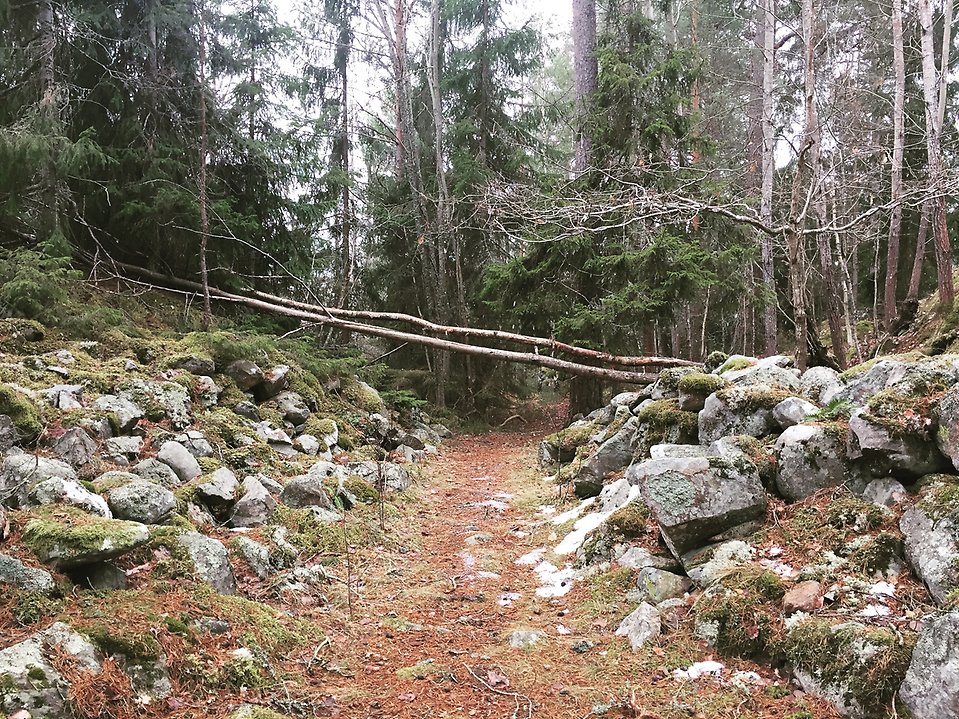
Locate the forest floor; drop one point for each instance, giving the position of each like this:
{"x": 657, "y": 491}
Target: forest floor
{"x": 435, "y": 605}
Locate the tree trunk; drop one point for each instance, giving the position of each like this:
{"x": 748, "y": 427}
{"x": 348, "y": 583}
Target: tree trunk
{"x": 915, "y": 278}
{"x": 201, "y": 174}
{"x": 898, "y": 145}
{"x": 443, "y": 220}
{"x": 346, "y": 211}
{"x": 770, "y": 324}
{"x": 50, "y": 112}
{"x": 586, "y": 70}
{"x": 936, "y": 170}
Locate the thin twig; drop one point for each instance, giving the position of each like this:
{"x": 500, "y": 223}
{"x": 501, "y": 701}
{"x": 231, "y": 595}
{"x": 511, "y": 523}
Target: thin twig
{"x": 515, "y": 696}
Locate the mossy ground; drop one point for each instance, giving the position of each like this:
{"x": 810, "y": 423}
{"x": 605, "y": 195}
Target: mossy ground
{"x": 22, "y": 412}
{"x": 701, "y": 384}
{"x": 741, "y": 612}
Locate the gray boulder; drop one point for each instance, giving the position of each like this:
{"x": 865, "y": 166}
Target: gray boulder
{"x": 126, "y": 447}
{"x": 611, "y": 456}
{"x": 207, "y": 392}
{"x": 178, "y": 458}
{"x": 197, "y": 365}
{"x": 931, "y": 687}
{"x": 30, "y": 679}
{"x": 169, "y": 398}
{"x": 307, "y": 490}
{"x": 812, "y": 457}
{"x": 211, "y": 561}
{"x": 863, "y": 385}
{"x": 793, "y": 410}
{"x": 932, "y": 549}
{"x": 678, "y": 451}
{"x": 153, "y": 470}
{"x": 947, "y": 436}
{"x": 8, "y": 433}
{"x": 141, "y": 501}
{"x": 658, "y": 585}
{"x": 123, "y": 412}
{"x": 65, "y": 397}
{"x": 395, "y": 476}
{"x": 255, "y": 506}
{"x": 71, "y": 493}
{"x": 256, "y": 555}
{"x": 739, "y": 410}
{"x": 196, "y": 443}
{"x": 246, "y": 374}
{"x": 274, "y": 381}
{"x": 765, "y": 375}
{"x": 641, "y": 626}
{"x": 307, "y": 444}
{"x": 29, "y": 579}
{"x": 884, "y": 491}
{"x": 820, "y": 384}
{"x": 219, "y": 493}
{"x": 885, "y": 447}
{"x": 698, "y": 498}
{"x": 74, "y": 446}
{"x": 293, "y": 408}
{"x": 19, "y": 472}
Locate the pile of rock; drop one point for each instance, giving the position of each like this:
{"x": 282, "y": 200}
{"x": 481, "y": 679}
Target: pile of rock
{"x": 866, "y": 462}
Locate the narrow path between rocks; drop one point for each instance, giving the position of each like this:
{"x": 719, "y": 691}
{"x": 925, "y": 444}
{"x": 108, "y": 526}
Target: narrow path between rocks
{"x": 436, "y": 606}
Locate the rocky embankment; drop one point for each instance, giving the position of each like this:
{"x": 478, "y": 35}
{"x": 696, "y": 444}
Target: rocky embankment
{"x": 152, "y": 494}
{"x": 805, "y": 520}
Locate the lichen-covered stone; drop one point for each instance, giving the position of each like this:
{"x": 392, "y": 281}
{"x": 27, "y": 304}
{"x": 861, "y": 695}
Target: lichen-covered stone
{"x": 20, "y": 472}
{"x": 885, "y": 447}
{"x": 74, "y": 446}
{"x": 255, "y": 506}
{"x": 819, "y": 384}
{"x": 178, "y": 458}
{"x": 153, "y": 470}
{"x": 931, "y": 534}
{"x": 695, "y": 499}
{"x": 219, "y": 492}
{"x": 69, "y": 493}
{"x": 123, "y": 413}
{"x": 28, "y": 679}
{"x": 160, "y": 400}
{"x": 793, "y": 410}
{"x": 658, "y": 585}
{"x": 947, "y": 435}
{"x": 931, "y": 686}
{"x": 611, "y": 456}
{"x": 812, "y": 457}
{"x": 740, "y": 410}
{"x": 211, "y": 561}
{"x": 641, "y": 626}
{"x": 245, "y": 373}
{"x": 141, "y": 501}
{"x": 15, "y": 573}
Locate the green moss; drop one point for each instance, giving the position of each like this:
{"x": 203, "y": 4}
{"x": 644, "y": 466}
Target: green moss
{"x": 940, "y": 499}
{"x": 22, "y": 412}
{"x": 839, "y": 409}
{"x": 176, "y": 625}
{"x": 876, "y": 554}
{"x": 363, "y": 396}
{"x": 425, "y": 669}
{"x": 33, "y": 607}
{"x": 753, "y": 398}
{"x": 701, "y": 384}
{"x": 320, "y": 427}
{"x": 867, "y": 664}
{"x": 742, "y": 611}
{"x": 361, "y": 489}
{"x": 630, "y": 521}
{"x": 240, "y": 673}
{"x": 323, "y": 539}
{"x": 571, "y": 438}
{"x": 137, "y": 646}
{"x": 852, "y": 513}
{"x": 904, "y": 414}
{"x": 208, "y": 464}
{"x": 734, "y": 364}
{"x": 715, "y": 360}
{"x": 257, "y": 712}
{"x": 665, "y": 414}
{"x": 670, "y": 378}
{"x": 72, "y": 532}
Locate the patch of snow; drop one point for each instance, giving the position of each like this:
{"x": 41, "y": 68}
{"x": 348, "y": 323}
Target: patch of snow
{"x": 531, "y": 558}
{"x": 744, "y": 680}
{"x": 563, "y": 631}
{"x": 774, "y": 552}
{"x": 553, "y": 582}
{"x": 502, "y": 495}
{"x": 550, "y": 478}
{"x": 781, "y": 568}
{"x": 492, "y": 504}
{"x": 507, "y": 598}
{"x": 487, "y": 575}
{"x": 546, "y": 510}
{"x": 699, "y": 669}
{"x": 875, "y": 610}
{"x": 469, "y": 561}
{"x": 883, "y": 589}
{"x": 574, "y": 512}
{"x": 574, "y": 540}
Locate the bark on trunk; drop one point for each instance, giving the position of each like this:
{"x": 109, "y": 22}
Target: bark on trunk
{"x": 586, "y": 71}
{"x": 201, "y": 174}
{"x": 770, "y": 324}
{"x": 898, "y": 145}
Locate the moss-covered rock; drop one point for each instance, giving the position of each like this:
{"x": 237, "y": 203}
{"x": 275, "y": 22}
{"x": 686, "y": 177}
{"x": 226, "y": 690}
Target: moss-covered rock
{"x": 857, "y": 667}
{"x": 73, "y": 538}
{"x": 22, "y": 412}
{"x": 739, "y": 614}
{"x": 662, "y": 421}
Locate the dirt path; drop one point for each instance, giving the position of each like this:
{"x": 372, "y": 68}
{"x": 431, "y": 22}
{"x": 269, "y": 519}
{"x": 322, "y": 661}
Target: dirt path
{"x": 435, "y": 608}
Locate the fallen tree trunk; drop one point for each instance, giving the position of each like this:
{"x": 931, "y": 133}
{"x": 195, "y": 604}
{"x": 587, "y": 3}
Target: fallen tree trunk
{"x": 325, "y": 318}
{"x": 499, "y": 335}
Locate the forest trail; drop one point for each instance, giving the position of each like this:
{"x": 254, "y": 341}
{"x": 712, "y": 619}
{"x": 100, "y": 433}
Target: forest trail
{"x": 436, "y": 606}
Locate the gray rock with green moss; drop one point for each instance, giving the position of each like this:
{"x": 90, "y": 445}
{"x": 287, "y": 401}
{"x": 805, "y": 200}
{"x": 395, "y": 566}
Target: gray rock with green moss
{"x": 395, "y": 475}
{"x": 211, "y": 561}
{"x": 306, "y": 490}
{"x": 887, "y": 447}
{"x": 28, "y": 679}
{"x": 75, "y": 541}
{"x": 740, "y": 410}
{"x": 74, "y": 446}
{"x": 153, "y": 470}
{"x": 931, "y": 687}
{"x": 765, "y": 375}
{"x": 811, "y": 457}
{"x": 160, "y": 400}
{"x": 15, "y": 573}
{"x": 658, "y": 585}
{"x": 292, "y": 407}
{"x": 256, "y": 555}
{"x": 219, "y": 492}
{"x": 255, "y": 506}
{"x": 819, "y": 384}
{"x": 932, "y": 548}
{"x": 123, "y": 413}
{"x": 947, "y": 436}
{"x": 698, "y": 498}
{"x": 611, "y": 456}
{"x": 274, "y": 381}
{"x": 8, "y": 433}
{"x": 70, "y": 493}
{"x": 20, "y": 471}
{"x": 142, "y": 501}
{"x": 178, "y": 458}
